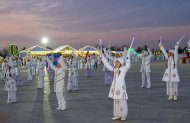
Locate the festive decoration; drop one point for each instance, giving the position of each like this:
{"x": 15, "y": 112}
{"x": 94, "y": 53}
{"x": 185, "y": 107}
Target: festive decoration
{"x": 1, "y": 60}
{"x": 13, "y": 50}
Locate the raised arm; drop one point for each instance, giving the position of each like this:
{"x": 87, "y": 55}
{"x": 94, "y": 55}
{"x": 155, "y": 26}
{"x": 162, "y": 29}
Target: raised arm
{"x": 163, "y": 50}
{"x": 62, "y": 63}
{"x": 127, "y": 63}
{"x": 105, "y": 62}
{"x": 176, "y": 55}
{"x": 150, "y": 53}
{"x": 188, "y": 43}
{"x": 50, "y": 63}
{"x": 108, "y": 55}
{"x": 125, "y": 53}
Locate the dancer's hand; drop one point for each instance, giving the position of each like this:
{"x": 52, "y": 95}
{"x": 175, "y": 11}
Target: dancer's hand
{"x": 160, "y": 44}
{"x": 177, "y": 43}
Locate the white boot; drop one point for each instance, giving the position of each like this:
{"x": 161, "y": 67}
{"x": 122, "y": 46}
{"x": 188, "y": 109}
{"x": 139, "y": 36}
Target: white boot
{"x": 175, "y": 98}
{"x": 59, "y": 105}
{"x": 148, "y": 87}
{"x": 123, "y": 118}
{"x": 63, "y": 106}
{"x": 58, "y": 108}
{"x": 170, "y": 97}
{"x": 116, "y": 118}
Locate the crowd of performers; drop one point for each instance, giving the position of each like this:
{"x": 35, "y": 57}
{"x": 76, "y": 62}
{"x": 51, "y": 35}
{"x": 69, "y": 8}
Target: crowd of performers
{"x": 115, "y": 69}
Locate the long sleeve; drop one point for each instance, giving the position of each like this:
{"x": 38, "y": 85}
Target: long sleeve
{"x": 105, "y": 62}
{"x": 150, "y": 53}
{"x": 50, "y": 63}
{"x": 125, "y": 53}
{"x": 176, "y": 53}
{"x": 62, "y": 62}
{"x": 163, "y": 50}
{"x": 108, "y": 55}
{"x": 188, "y": 43}
{"x": 127, "y": 63}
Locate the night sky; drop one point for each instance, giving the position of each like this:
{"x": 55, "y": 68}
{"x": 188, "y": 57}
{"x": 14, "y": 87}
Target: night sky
{"x": 83, "y": 22}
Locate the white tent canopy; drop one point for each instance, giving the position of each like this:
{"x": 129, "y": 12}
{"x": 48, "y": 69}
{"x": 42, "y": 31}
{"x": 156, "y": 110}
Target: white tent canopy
{"x": 64, "y": 48}
{"x": 88, "y": 48}
{"x": 37, "y": 48}
{"x": 34, "y": 50}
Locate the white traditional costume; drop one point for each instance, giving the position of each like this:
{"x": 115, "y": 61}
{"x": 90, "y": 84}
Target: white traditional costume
{"x": 145, "y": 67}
{"x": 72, "y": 84}
{"x": 10, "y": 83}
{"x": 41, "y": 73}
{"x": 17, "y": 70}
{"x": 171, "y": 76}
{"x": 4, "y": 67}
{"x": 82, "y": 63}
{"x": 34, "y": 64}
{"x": 59, "y": 82}
{"x": 51, "y": 72}
{"x": 29, "y": 69}
{"x": 88, "y": 66}
{"x": 118, "y": 88}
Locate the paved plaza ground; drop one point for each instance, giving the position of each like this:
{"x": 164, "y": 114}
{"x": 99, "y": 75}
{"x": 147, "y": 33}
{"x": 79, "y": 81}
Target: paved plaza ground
{"x": 92, "y": 105}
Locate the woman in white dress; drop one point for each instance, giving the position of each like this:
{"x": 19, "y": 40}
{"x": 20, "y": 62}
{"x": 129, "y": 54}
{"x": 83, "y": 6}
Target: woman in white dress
{"x": 41, "y": 73}
{"x": 10, "y": 83}
{"x": 29, "y": 69}
{"x": 171, "y": 76}
{"x": 118, "y": 88}
{"x": 73, "y": 74}
{"x": 88, "y": 67}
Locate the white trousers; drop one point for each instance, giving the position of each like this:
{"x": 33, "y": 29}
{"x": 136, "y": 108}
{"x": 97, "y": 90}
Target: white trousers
{"x": 81, "y": 66}
{"x": 11, "y": 96}
{"x": 61, "y": 100}
{"x": 40, "y": 81}
{"x": 30, "y": 75}
{"x": 172, "y": 88}
{"x": 33, "y": 71}
{"x": 146, "y": 75}
{"x": 120, "y": 108}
